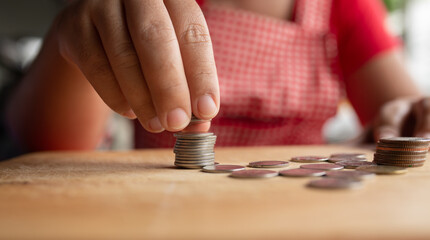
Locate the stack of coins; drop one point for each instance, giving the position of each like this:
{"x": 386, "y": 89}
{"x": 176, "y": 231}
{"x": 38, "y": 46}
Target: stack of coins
{"x": 402, "y": 151}
{"x": 194, "y": 149}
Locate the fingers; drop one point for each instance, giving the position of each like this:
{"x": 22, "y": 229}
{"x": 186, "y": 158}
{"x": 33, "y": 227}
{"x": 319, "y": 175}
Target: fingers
{"x": 421, "y": 111}
{"x": 158, "y": 51}
{"x": 197, "y": 56}
{"x": 391, "y": 119}
{"x": 125, "y": 64}
{"x": 90, "y": 57}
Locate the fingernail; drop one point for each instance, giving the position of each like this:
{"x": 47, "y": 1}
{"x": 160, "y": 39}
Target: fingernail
{"x": 206, "y": 106}
{"x": 177, "y": 119}
{"x": 155, "y": 125}
{"x": 129, "y": 114}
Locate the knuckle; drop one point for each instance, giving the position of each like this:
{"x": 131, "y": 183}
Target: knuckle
{"x": 202, "y": 76}
{"x": 171, "y": 87}
{"x": 195, "y": 33}
{"x": 125, "y": 57}
{"x": 100, "y": 69}
{"x": 156, "y": 32}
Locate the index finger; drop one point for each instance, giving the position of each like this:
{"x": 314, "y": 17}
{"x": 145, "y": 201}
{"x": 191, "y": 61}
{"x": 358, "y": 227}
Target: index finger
{"x": 197, "y": 56}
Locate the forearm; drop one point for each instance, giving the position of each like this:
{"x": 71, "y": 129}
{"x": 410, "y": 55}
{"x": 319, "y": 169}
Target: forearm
{"x": 382, "y": 79}
{"x": 55, "y": 107}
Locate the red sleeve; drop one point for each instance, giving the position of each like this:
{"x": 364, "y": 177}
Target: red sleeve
{"x": 361, "y": 32}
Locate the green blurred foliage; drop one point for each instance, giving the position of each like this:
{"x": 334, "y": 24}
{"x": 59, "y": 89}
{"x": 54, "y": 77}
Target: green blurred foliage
{"x": 392, "y": 5}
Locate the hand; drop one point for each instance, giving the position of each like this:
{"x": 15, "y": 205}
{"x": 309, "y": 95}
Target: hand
{"x": 150, "y": 59}
{"x": 403, "y": 117}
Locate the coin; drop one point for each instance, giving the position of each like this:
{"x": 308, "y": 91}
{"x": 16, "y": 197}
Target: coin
{"x": 268, "y": 164}
{"x": 378, "y": 169}
{"x": 183, "y": 136}
{"x": 324, "y": 166}
{"x": 301, "y": 172}
{"x": 339, "y": 159}
{"x": 401, "y": 150}
{"x": 359, "y": 175}
{"x": 400, "y": 157}
{"x": 402, "y": 164}
{"x": 191, "y": 165}
{"x": 406, "y": 141}
{"x": 254, "y": 174}
{"x": 222, "y": 168}
{"x": 348, "y": 155}
{"x": 354, "y": 164}
{"x": 334, "y": 183}
{"x": 309, "y": 159}
{"x": 194, "y": 161}
{"x": 377, "y": 160}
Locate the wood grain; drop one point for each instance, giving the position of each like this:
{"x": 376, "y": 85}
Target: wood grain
{"x": 140, "y": 195}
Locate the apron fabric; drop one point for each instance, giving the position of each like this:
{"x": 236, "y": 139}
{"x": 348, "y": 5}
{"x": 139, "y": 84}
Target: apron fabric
{"x": 277, "y": 80}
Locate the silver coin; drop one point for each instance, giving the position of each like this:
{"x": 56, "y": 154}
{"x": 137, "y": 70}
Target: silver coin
{"x": 222, "y": 168}
{"x": 193, "y": 135}
{"x": 187, "y": 143}
{"x": 339, "y": 159}
{"x": 384, "y": 170}
{"x": 323, "y": 166}
{"x": 357, "y": 175}
{"x": 195, "y": 147}
{"x": 309, "y": 159}
{"x": 268, "y": 164}
{"x": 334, "y": 183}
{"x": 348, "y": 155}
{"x": 405, "y": 140}
{"x": 354, "y": 164}
{"x": 301, "y": 172}
{"x": 254, "y": 174}
{"x": 194, "y": 119}
{"x": 194, "y": 155}
{"x": 194, "y": 164}
{"x": 194, "y": 161}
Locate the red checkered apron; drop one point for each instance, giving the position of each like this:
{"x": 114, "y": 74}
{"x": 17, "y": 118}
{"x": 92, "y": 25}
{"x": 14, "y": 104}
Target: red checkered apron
{"x": 276, "y": 77}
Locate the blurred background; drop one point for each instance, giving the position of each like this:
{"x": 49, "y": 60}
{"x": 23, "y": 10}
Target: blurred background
{"x": 23, "y": 24}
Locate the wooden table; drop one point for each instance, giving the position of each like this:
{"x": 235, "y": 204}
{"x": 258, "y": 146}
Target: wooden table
{"x": 140, "y": 195}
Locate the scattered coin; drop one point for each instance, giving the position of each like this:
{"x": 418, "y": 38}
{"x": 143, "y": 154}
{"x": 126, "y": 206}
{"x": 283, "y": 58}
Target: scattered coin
{"x": 254, "y": 174}
{"x": 301, "y": 172}
{"x": 222, "y": 168}
{"x": 323, "y": 166}
{"x": 348, "y": 155}
{"x": 358, "y": 175}
{"x": 384, "y": 170}
{"x": 268, "y": 164}
{"x": 354, "y": 164}
{"x": 309, "y": 159}
{"x": 334, "y": 183}
{"x": 339, "y": 159}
